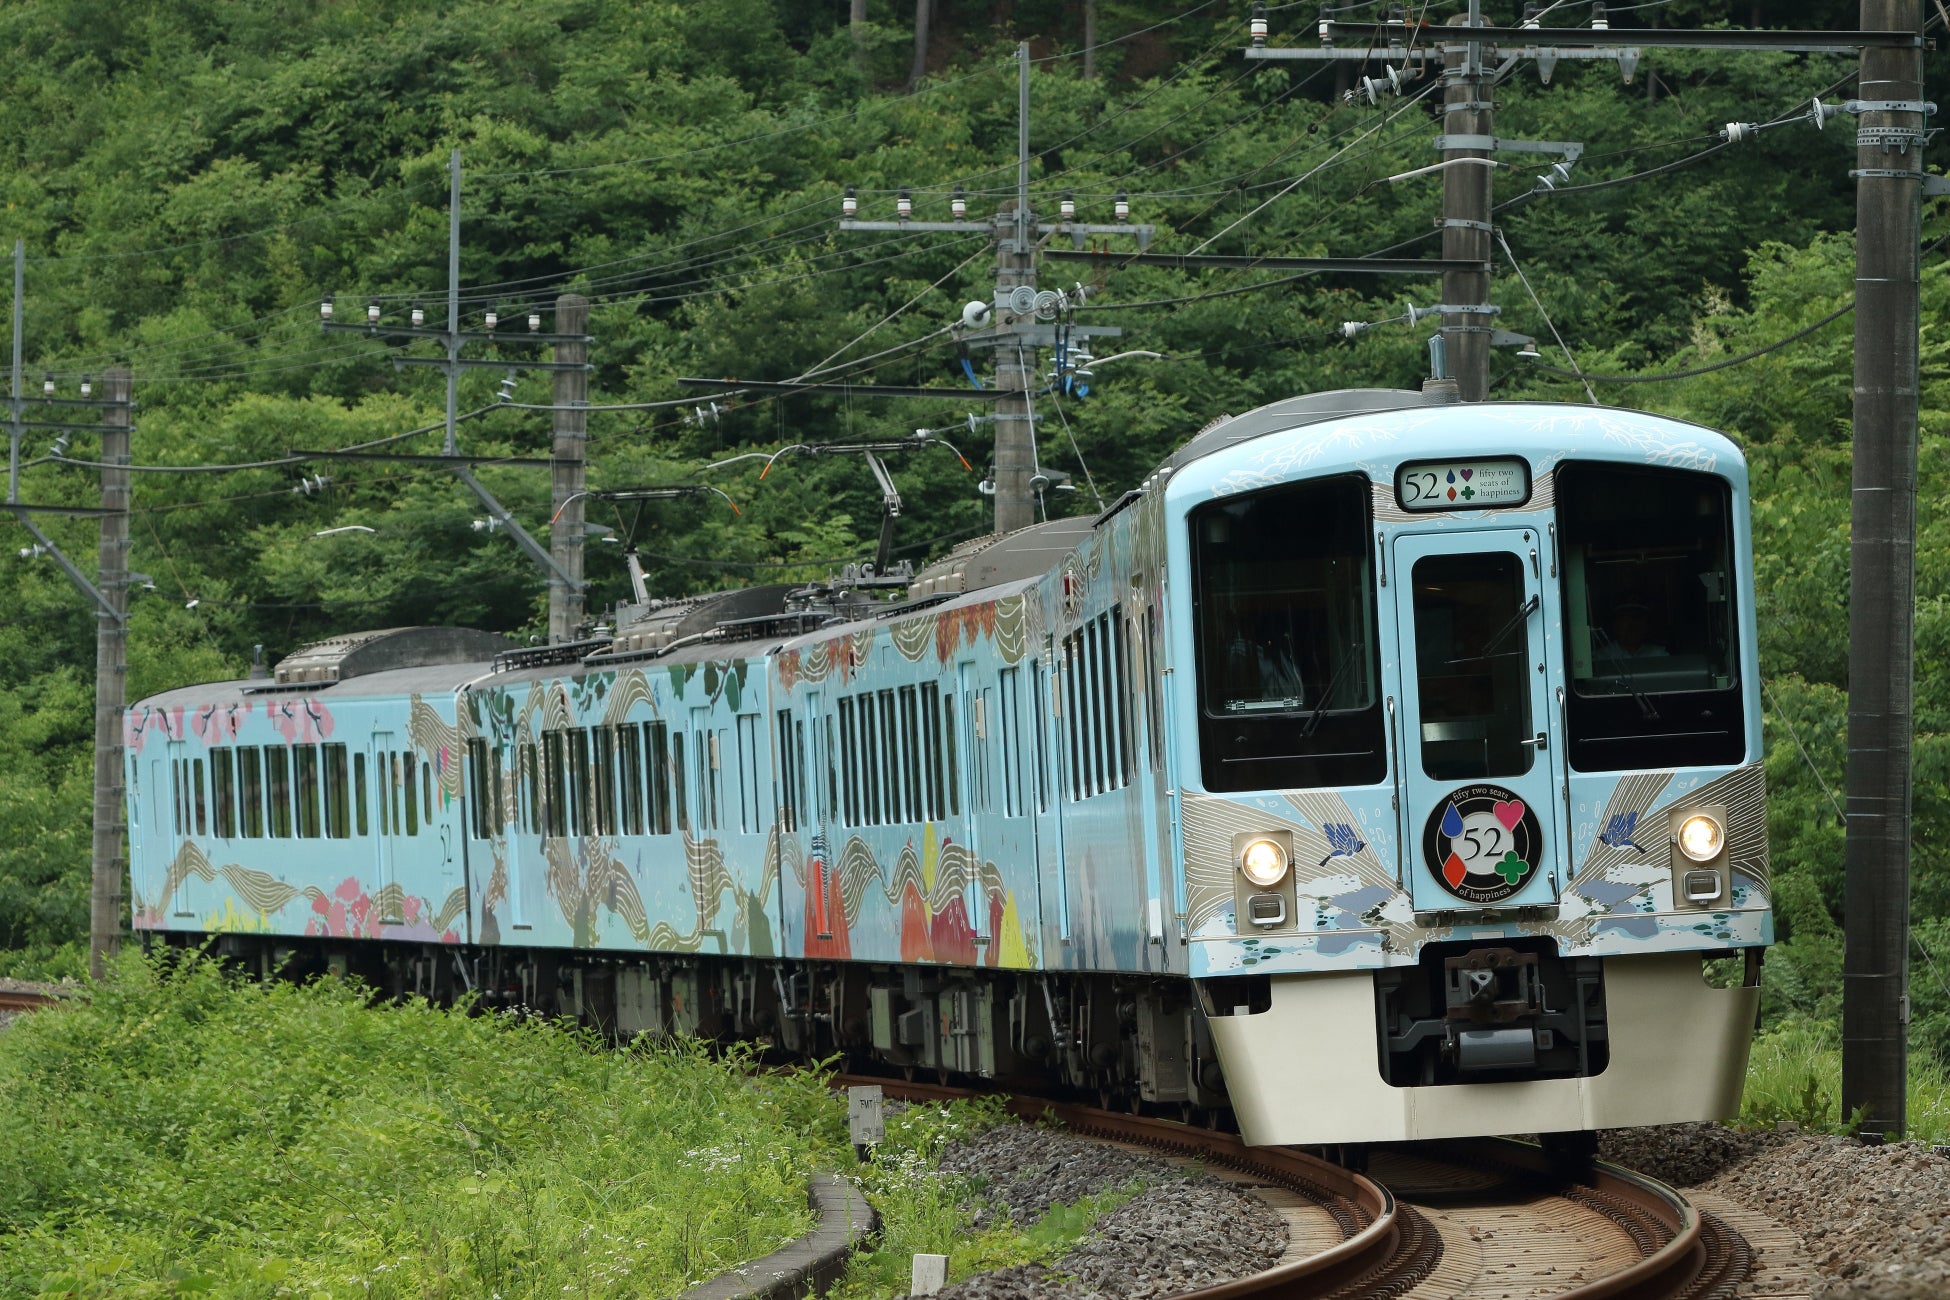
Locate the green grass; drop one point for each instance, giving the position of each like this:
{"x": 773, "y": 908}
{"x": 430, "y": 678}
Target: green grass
{"x": 1795, "y": 1073}
{"x": 925, "y": 1212}
{"x": 184, "y": 1132}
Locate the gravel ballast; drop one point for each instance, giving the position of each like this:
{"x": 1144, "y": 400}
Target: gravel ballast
{"x": 1875, "y": 1219}
{"x": 1182, "y": 1232}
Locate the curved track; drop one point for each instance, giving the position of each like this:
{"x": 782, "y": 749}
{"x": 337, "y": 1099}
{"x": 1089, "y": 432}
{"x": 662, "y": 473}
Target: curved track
{"x": 1487, "y": 1218}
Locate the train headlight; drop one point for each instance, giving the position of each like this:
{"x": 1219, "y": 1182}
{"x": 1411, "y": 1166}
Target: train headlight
{"x": 1263, "y": 862}
{"x": 1701, "y": 837}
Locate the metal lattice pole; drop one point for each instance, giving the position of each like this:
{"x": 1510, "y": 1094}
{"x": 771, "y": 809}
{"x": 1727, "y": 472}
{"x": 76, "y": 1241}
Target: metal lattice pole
{"x": 105, "y": 905}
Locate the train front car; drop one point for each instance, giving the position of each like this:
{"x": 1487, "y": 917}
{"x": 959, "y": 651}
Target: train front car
{"x": 1470, "y": 756}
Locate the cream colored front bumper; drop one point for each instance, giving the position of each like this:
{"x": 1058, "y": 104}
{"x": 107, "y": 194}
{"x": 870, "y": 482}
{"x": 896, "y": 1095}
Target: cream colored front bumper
{"x": 1307, "y": 1070}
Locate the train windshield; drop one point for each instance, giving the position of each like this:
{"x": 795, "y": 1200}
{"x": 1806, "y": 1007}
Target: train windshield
{"x": 1287, "y": 653}
{"x": 1649, "y": 618}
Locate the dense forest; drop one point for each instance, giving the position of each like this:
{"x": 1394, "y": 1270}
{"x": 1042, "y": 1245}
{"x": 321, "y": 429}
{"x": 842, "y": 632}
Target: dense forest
{"x": 191, "y": 178}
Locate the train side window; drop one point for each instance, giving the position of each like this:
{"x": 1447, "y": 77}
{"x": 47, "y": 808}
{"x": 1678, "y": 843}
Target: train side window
{"x": 679, "y": 795}
{"x": 1009, "y": 704}
{"x": 305, "y": 757}
{"x": 904, "y": 702}
{"x": 890, "y": 755}
{"x": 832, "y": 808}
{"x": 582, "y": 790}
{"x": 360, "y": 812}
{"x": 1120, "y": 627}
{"x": 629, "y": 770}
{"x": 1288, "y": 663}
{"x": 1153, "y": 685}
{"x": 477, "y": 789}
{"x": 849, "y": 785}
{"x": 1073, "y": 723}
{"x": 250, "y": 793}
{"x": 1039, "y": 728}
{"x": 603, "y": 778}
{"x": 928, "y": 708}
{"x": 791, "y": 759}
{"x": 500, "y": 818}
{"x": 749, "y": 815}
{"x": 338, "y": 817}
{"x": 409, "y": 789}
{"x": 554, "y": 783}
{"x": 198, "y": 800}
{"x": 223, "y": 794}
{"x": 1650, "y": 596}
{"x": 277, "y": 787}
{"x": 718, "y": 778}
{"x": 658, "y": 735}
{"x": 952, "y": 751}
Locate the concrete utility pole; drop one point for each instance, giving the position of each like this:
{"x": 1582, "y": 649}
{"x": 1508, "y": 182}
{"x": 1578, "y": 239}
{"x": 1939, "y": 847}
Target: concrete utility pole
{"x": 565, "y": 533}
{"x": 1468, "y": 118}
{"x": 1882, "y": 558}
{"x": 1015, "y": 263}
{"x": 105, "y": 907}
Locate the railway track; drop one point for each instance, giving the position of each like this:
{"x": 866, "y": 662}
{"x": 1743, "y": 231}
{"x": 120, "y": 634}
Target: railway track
{"x": 12, "y": 999}
{"x": 1484, "y": 1218}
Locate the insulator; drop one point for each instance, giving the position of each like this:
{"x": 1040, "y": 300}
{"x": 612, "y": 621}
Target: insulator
{"x": 419, "y": 316}
{"x": 87, "y": 386}
{"x": 47, "y": 386}
{"x": 1599, "y": 22}
{"x": 1122, "y": 206}
{"x": 1326, "y": 32}
{"x": 372, "y": 313}
{"x": 534, "y": 322}
{"x": 850, "y": 202}
{"x": 1259, "y": 26}
{"x": 959, "y": 203}
{"x": 325, "y": 309}
{"x": 903, "y": 205}
{"x": 1739, "y": 132}
{"x": 1530, "y": 21}
{"x": 1067, "y": 206}
{"x": 492, "y": 318}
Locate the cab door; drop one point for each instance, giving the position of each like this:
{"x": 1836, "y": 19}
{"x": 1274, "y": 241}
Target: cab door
{"x": 1480, "y": 827}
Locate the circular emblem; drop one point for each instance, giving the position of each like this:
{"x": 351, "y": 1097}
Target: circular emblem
{"x": 1483, "y": 843}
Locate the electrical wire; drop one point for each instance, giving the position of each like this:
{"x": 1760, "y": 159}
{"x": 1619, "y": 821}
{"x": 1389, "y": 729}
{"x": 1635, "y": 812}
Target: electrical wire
{"x": 1778, "y": 344}
{"x": 1538, "y": 303}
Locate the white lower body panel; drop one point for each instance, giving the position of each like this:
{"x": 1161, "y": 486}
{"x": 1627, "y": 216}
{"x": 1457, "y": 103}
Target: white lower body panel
{"x": 1307, "y": 1070}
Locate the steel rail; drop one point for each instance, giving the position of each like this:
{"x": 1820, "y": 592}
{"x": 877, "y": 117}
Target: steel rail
{"x": 1386, "y": 1247}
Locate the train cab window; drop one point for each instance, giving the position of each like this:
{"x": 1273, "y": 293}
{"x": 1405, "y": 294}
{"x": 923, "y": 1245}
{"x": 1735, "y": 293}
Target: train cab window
{"x": 1288, "y": 661}
{"x": 1649, "y": 618}
{"x": 1473, "y": 691}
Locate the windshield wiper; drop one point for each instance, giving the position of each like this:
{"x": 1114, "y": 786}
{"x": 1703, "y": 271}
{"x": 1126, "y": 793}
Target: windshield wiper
{"x": 1514, "y": 622}
{"x": 1312, "y": 723}
{"x": 1647, "y": 709}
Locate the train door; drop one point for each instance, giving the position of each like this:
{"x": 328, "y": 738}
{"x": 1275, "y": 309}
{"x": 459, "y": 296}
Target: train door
{"x": 1480, "y": 826}
{"x": 1054, "y": 909}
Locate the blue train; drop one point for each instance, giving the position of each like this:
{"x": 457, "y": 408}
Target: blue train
{"x": 1380, "y": 768}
